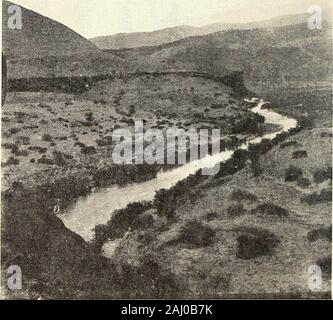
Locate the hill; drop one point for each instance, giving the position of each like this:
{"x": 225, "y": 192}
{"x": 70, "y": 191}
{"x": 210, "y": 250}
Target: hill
{"x": 46, "y": 48}
{"x": 263, "y": 227}
{"x": 269, "y": 57}
{"x": 40, "y": 37}
{"x": 158, "y": 37}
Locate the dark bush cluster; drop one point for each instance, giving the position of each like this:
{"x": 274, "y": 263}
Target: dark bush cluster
{"x": 120, "y": 223}
{"x": 11, "y": 162}
{"x": 194, "y": 234}
{"x": 255, "y": 242}
{"x": 47, "y": 137}
{"x": 325, "y": 265}
{"x": 299, "y": 154}
{"x": 293, "y": 173}
{"x": 318, "y": 197}
{"x": 240, "y": 195}
{"x": 288, "y": 144}
{"x": 270, "y": 209}
{"x": 321, "y": 233}
{"x": 303, "y": 182}
{"x": 322, "y": 175}
{"x": 236, "y": 210}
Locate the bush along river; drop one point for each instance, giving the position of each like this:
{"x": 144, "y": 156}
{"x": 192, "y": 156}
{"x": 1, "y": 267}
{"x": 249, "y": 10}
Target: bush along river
{"x": 98, "y": 207}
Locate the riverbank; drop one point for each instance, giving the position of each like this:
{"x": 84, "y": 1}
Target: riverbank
{"x": 258, "y": 225}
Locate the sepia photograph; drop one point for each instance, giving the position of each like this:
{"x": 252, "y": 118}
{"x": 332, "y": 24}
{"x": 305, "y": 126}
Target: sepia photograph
{"x": 166, "y": 149}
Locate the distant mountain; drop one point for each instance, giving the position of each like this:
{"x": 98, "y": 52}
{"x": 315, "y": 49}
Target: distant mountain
{"x": 41, "y": 36}
{"x": 155, "y": 38}
{"x": 267, "y": 56}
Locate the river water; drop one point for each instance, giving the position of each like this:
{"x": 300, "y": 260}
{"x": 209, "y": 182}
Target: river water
{"x": 97, "y": 207}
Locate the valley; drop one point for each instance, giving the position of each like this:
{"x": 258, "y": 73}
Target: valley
{"x": 84, "y": 227}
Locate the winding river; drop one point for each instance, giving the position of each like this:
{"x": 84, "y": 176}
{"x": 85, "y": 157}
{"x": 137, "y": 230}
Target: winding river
{"x": 97, "y": 207}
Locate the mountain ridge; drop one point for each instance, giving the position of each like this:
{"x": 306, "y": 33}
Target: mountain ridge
{"x": 171, "y": 34}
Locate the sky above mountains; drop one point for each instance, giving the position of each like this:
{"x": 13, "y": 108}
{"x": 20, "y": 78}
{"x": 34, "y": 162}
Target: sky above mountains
{"x": 93, "y": 18}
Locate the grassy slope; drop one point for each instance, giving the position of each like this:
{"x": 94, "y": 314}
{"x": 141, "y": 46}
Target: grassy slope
{"x": 215, "y": 270}
{"x": 163, "y": 102}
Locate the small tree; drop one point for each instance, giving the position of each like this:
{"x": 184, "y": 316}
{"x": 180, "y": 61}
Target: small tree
{"x": 254, "y": 154}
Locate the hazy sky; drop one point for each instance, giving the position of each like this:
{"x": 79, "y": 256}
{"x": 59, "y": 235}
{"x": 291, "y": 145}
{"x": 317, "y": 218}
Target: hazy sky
{"x": 103, "y": 17}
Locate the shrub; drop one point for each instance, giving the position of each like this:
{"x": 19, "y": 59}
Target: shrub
{"x": 288, "y": 144}
{"x": 239, "y": 195}
{"x": 164, "y": 202}
{"x": 314, "y": 198}
{"x": 325, "y": 264}
{"x": 89, "y": 116}
{"x": 303, "y": 182}
{"x": 270, "y": 209}
{"x": 217, "y": 106}
{"x": 46, "y": 137}
{"x": 60, "y": 158}
{"x": 40, "y": 150}
{"x": 45, "y": 160}
{"x": 106, "y": 141}
{"x": 211, "y": 216}
{"x": 292, "y": 174}
{"x": 23, "y": 140}
{"x": 321, "y": 233}
{"x": 326, "y": 134}
{"x": 255, "y": 242}
{"x": 236, "y": 210}
{"x": 300, "y": 154}
{"x": 11, "y": 162}
{"x": 10, "y": 146}
{"x": 120, "y": 222}
{"x": 194, "y": 234}
{"x": 14, "y": 130}
{"x": 88, "y": 150}
{"x": 322, "y": 175}
{"x": 20, "y": 153}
